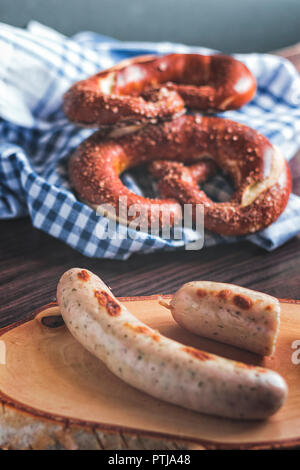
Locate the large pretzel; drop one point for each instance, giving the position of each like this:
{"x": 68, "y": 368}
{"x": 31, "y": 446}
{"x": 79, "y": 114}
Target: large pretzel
{"x": 147, "y": 88}
{"x": 259, "y": 171}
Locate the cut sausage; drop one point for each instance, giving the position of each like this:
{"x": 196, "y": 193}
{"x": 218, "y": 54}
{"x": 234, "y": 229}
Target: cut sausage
{"x": 228, "y": 313}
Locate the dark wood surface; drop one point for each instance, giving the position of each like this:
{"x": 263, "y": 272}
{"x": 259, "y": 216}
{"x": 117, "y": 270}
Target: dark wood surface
{"x": 31, "y": 263}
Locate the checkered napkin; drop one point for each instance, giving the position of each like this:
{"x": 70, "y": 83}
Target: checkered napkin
{"x": 37, "y": 66}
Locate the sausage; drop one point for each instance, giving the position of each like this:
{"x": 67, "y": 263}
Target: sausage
{"x": 159, "y": 366}
{"x": 231, "y": 314}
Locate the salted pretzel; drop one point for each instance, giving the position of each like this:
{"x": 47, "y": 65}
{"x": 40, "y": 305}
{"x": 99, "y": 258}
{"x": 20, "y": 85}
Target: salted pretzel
{"x": 258, "y": 170}
{"x": 149, "y": 88}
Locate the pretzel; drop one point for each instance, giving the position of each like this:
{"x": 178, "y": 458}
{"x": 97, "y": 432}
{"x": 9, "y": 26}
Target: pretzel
{"x": 258, "y": 170}
{"x": 148, "y": 88}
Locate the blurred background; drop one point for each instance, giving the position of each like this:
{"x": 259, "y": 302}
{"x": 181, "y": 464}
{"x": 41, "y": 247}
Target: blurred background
{"x": 226, "y": 25}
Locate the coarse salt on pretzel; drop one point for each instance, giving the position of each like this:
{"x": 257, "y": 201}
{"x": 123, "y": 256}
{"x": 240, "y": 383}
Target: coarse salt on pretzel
{"x": 147, "y": 88}
{"x": 259, "y": 171}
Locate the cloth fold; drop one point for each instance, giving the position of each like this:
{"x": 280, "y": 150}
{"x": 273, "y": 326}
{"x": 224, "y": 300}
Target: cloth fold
{"x": 38, "y": 65}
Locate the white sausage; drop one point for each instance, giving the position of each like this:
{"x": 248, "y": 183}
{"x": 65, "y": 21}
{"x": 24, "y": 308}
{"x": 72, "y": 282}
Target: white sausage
{"x": 228, "y": 313}
{"x": 160, "y": 366}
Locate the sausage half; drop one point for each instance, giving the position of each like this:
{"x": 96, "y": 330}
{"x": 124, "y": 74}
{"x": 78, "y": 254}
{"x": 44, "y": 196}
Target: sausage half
{"x": 231, "y": 314}
{"x": 159, "y": 366}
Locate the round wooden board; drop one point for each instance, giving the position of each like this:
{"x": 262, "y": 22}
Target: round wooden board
{"x": 55, "y": 394}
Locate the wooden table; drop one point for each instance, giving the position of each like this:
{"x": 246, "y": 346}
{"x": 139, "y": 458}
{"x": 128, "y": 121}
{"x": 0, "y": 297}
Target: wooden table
{"x": 31, "y": 263}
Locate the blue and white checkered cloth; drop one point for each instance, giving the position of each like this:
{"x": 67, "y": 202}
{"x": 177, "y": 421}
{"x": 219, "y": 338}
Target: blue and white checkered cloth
{"x": 38, "y": 65}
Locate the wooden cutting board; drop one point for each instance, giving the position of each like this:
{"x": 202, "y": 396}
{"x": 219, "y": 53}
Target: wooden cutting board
{"x": 55, "y": 394}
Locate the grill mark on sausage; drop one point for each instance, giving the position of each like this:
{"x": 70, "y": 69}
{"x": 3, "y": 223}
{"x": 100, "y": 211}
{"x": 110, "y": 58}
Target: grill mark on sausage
{"x": 197, "y": 354}
{"x": 224, "y": 294}
{"x": 143, "y": 330}
{"x": 106, "y": 301}
{"x": 242, "y": 301}
{"x": 201, "y": 293}
{"x": 83, "y": 275}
